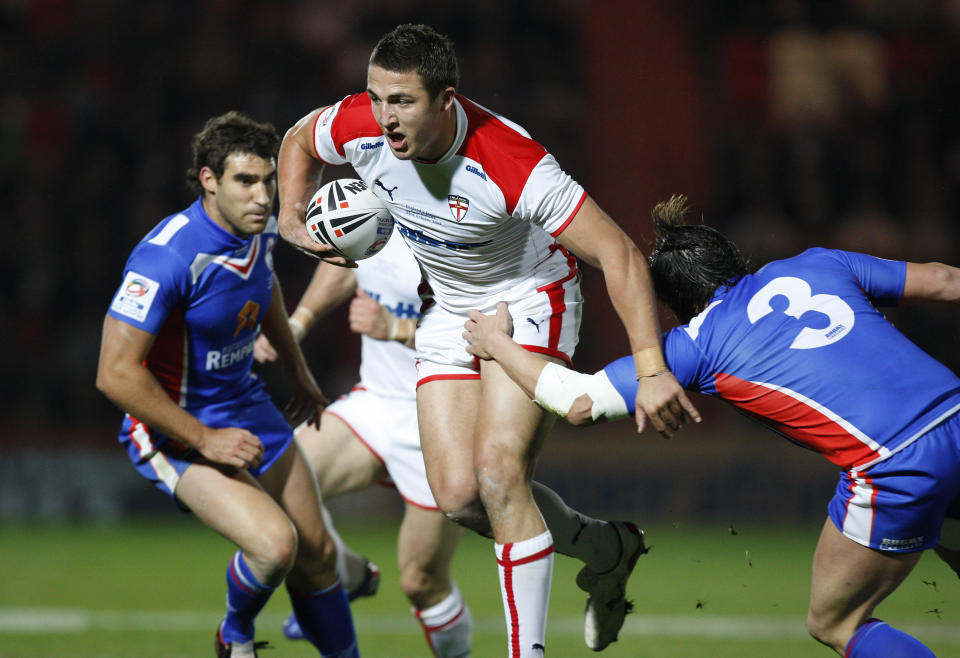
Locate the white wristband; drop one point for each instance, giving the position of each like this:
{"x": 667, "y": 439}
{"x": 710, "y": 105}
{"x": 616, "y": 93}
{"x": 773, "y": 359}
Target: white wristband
{"x": 296, "y": 327}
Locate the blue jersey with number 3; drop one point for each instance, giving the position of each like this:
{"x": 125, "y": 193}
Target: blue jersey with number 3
{"x": 801, "y": 346}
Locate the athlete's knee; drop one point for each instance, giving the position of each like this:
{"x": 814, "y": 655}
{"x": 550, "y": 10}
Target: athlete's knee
{"x": 274, "y": 551}
{"x": 826, "y": 629}
{"x": 459, "y": 501}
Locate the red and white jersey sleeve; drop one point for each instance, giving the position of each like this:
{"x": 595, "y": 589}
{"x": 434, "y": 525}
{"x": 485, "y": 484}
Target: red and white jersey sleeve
{"x": 482, "y": 219}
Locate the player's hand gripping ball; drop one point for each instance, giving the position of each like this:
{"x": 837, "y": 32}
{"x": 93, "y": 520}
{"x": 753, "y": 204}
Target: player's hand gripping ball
{"x": 346, "y": 215}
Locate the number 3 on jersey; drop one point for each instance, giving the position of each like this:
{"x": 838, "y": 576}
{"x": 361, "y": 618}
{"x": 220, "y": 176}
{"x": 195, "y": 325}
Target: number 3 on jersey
{"x": 800, "y": 300}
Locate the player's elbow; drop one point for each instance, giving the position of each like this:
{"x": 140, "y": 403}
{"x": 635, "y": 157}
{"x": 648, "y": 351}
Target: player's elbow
{"x": 109, "y": 380}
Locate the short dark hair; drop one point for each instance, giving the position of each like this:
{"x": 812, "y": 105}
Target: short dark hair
{"x": 688, "y": 263}
{"x": 419, "y": 48}
{"x": 224, "y": 135}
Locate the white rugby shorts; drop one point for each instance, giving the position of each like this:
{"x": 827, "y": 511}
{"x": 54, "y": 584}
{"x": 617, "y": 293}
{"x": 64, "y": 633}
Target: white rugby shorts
{"x": 388, "y": 427}
{"x": 546, "y": 323}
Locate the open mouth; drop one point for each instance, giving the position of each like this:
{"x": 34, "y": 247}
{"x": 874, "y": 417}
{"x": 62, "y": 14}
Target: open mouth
{"x": 397, "y": 141}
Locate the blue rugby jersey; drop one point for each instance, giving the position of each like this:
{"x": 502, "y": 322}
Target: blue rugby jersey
{"x": 801, "y": 346}
{"x": 202, "y": 292}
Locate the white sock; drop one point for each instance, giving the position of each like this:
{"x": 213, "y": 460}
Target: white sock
{"x": 526, "y": 570}
{"x": 448, "y": 626}
{"x": 592, "y": 541}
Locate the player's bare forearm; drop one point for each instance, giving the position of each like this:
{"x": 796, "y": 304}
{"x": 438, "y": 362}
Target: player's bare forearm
{"x": 298, "y": 175}
{"x": 598, "y": 240}
{"x": 931, "y": 282}
{"x": 123, "y": 378}
{"x": 329, "y": 287}
{"x": 595, "y": 238}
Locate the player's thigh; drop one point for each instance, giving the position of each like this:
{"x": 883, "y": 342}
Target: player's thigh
{"x": 340, "y": 461}
{"x": 234, "y": 505}
{"x": 510, "y": 427}
{"x": 849, "y": 579}
{"x": 447, "y": 413}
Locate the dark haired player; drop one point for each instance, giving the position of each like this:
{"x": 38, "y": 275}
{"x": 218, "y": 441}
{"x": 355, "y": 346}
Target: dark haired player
{"x": 800, "y": 345}
{"x": 489, "y": 215}
{"x": 176, "y": 356}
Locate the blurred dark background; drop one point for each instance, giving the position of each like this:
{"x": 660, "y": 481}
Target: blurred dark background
{"x": 787, "y": 123}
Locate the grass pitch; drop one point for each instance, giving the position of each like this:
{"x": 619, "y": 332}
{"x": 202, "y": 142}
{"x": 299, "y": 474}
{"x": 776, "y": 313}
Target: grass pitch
{"x": 157, "y": 589}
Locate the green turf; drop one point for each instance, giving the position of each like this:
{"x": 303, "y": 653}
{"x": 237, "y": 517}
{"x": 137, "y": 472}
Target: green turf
{"x": 701, "y": 591}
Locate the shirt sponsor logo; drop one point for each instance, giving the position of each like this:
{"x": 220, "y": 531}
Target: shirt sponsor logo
{"x": 230, "y": 355}
{"x": 416, "y": 235}
{"x": 135, "y": 296}
{"x": 366, "y": 146}
{"x": 474, "y": 170}
{"x": 458, "y": 205}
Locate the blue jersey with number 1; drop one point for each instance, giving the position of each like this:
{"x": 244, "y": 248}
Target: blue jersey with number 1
{"x": 801, "y": 346}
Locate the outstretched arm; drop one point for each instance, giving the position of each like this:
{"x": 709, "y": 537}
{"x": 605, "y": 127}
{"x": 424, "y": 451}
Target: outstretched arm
{"x": 931, "y": 282}
{"x": 595, "y": 238}
{"x": 579, "y": 398}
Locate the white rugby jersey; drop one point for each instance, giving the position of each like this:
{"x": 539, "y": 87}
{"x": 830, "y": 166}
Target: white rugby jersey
{"x": 388, "y": 367}
{"x": 482, "y": 219}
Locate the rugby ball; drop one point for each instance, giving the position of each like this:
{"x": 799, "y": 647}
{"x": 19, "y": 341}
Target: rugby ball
{"x": 346, "y": 215}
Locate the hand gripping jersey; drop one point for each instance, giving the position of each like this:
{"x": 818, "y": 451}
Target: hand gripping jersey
{"x": 800, "y": 346}
{"x": 202, "y": 292}
{"x": 388, "y": 367}
{"x": 482, "y": 219}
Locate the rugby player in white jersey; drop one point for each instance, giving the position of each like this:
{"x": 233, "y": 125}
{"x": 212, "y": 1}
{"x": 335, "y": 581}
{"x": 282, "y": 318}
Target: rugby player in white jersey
{"x": 489, "y": 215}
{"x": 369, "y": 436}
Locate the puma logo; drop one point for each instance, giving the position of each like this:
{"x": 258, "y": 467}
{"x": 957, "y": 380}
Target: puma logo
{"x": 538, "y": 647}
{"x": 535, "y": 323}
{"x": 384, "y": 188}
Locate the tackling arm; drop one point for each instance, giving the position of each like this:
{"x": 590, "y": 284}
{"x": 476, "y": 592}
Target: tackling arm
{"x": 931, "y": 282}
{"x": 577, "y": 397}
{"x": 593, "y": 236}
